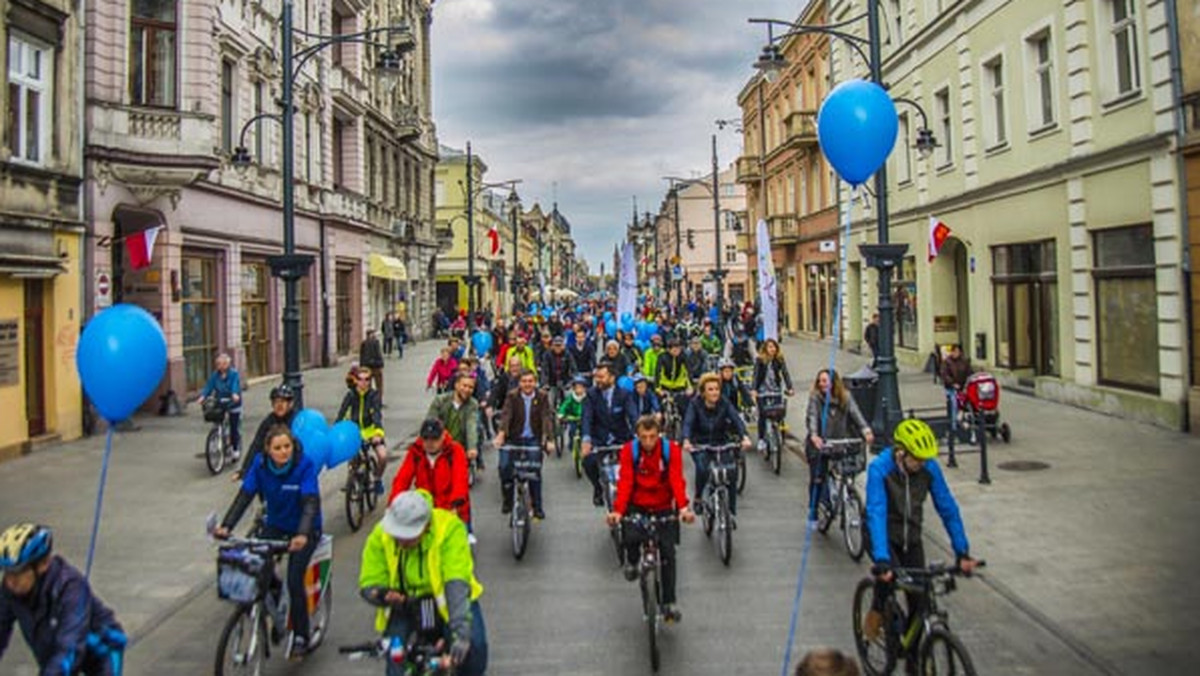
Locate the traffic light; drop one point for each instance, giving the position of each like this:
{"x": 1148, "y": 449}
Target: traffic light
{"x": 691, "y": 238}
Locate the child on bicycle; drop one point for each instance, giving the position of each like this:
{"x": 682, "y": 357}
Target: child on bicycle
{"x": 898, "y": 482}
{"x": 287, "y": 481}
{"x": 645, "y": 401}
{"x": 570, "y": 410}
{"x": 69, "y": 630}
{"x": 363, "y": 406}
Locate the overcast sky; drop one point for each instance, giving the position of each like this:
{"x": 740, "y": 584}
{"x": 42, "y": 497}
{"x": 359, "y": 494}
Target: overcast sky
{"x": 602, "y": 97}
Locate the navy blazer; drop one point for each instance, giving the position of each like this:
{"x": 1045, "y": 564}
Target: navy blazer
{"x": 605, "y": 426}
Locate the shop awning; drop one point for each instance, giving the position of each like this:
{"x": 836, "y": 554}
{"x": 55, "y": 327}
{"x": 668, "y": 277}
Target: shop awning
{"x": 386, "y": 267}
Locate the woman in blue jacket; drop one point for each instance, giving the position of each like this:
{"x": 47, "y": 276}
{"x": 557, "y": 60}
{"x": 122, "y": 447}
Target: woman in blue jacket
{"x": 225, "y": 383}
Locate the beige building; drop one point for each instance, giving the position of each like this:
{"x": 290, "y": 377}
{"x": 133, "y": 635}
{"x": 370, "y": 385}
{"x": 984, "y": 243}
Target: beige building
{"x": 1188, "y": 41}
{"x": 1057, "y": 177}
{"x": 41, "y": 223}
{"x": 170, "y": 89}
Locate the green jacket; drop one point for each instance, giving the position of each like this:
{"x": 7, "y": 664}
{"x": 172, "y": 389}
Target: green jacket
{"x": 442, "y": 555}
{"x": 462, "y": 423}
{"x": 711, "y": 344}
{"x": 571, "y": 407}
{"x": 650, "y": 363}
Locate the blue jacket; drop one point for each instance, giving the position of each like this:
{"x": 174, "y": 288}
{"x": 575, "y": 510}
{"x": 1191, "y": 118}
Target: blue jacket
{"x": 56, "y": 619}
{"x": 895, "y": 505}
{"x": 223, "y": 388}
{"x": 646, "y": 405}
{"x": 284, "y": 493}
{"x": 605, "y": 426}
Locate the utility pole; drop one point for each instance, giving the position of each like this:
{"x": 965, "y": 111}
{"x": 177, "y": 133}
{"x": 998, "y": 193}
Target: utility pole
{"x": 471, "y": 281}
{"x": 718, "y": 274}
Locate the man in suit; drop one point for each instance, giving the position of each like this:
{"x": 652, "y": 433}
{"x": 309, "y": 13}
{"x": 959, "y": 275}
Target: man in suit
{"x": 525, "y": 420}
{"x": 609, "y": 416}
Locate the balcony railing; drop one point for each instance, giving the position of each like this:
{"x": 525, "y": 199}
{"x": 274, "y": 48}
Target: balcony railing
{"x": 801, "y": 127}
{"x": 748, "y": 169}
{"x": 152, "y": 131}
{"x": 784, "y": 229}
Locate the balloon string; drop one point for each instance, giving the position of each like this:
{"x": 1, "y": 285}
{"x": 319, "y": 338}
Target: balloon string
{"x": 99, "y": 500}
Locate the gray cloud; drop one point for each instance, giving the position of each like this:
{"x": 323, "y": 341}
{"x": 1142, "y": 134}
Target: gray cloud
{"x": 598, "y": 97}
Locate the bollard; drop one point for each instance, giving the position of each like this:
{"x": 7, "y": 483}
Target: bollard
{"x": 952, "y": 405}
{"x": 983, "y": 444}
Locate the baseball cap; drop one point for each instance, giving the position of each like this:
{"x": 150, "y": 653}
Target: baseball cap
{"x": 432, "y": 429}
{"x": 407, "y": 516}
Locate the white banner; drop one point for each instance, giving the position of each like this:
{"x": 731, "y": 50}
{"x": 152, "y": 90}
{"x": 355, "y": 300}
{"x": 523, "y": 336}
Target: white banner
{"x": 628, "y": 285}
{"x": 768, "y": 290}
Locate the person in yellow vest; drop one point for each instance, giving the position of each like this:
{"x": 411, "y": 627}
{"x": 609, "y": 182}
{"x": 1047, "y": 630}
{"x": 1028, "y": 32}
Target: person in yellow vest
{"x": 418, "y": 552}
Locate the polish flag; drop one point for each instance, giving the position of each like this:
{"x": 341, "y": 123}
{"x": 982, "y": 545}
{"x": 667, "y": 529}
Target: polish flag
{"x": 494, "y": 235}
{"x": 938, "y": 232}
{"x": 140, "y": 247}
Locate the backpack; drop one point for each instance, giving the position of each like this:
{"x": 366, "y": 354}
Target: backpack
{"x": 666, "y": 453}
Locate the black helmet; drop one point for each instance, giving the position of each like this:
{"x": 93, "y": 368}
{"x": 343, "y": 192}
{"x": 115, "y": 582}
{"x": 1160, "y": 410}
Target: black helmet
{"x": 432, "y": 428}
{"x": 283, "y": 391}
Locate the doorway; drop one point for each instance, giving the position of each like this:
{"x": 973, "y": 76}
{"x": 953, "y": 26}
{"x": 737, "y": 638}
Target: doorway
{"x": 35, "y": 354}
{"x": 342, "y": 307}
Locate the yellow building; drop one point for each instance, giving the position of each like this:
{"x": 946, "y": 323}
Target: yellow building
{"x": 40, "y": 227}
{"x": 1188, "y": 39}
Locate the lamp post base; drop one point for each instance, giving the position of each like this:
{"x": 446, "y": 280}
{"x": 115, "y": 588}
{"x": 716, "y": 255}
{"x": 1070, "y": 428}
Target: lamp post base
{"x": 291, "y": 268}
{"x": 888, "y": 412}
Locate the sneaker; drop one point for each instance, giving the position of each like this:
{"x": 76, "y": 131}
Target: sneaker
{"x": 872, "y": 625}
{"x": 299, "y": 648}
{"x": 379, "y": 487}
{"x": 235, "y": 455}
{"x": 539, "y": 514}
{"x": 631, "y": 571}
{"x": 671, "y": 614}
{"x": 471, "y": 539}
{"x": 597, "y": 498}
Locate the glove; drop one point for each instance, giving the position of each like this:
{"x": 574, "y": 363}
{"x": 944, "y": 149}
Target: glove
{"x": 459, "y": 650}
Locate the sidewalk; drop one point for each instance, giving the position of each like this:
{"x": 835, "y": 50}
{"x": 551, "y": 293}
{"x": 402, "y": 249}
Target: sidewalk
{"x": 1098, "y": 547}
{"x": 152, "y": 555}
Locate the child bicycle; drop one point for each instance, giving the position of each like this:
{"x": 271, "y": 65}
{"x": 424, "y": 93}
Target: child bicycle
{"x": 839, "y": 498}
{"x": 923, "y": 635}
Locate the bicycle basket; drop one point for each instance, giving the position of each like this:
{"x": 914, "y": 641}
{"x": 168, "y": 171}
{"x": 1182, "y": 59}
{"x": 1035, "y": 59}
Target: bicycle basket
{"x": 240, "y": 574}
{"x": 853, "y": 463}
{"x": 213, "y": 410}
{"x": 774, "y": 411}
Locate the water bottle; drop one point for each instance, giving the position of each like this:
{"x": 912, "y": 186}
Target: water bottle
{"x": 396, "y": 650}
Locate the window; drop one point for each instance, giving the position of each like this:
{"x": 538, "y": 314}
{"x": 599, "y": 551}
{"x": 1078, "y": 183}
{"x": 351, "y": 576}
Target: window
{"x": 199, "y": 290}
{"x": 258, "y": 128}
{"x": 309, "y": 145}
{"x": 895, "y": 15}
{"x": 1041, "y": 86}
{"x": 227, "y": 121}
{"x": 941, "y": 102}
{"x": 1126, "y": 307}
{"x": 30, "y": 74}
{"x": 152, "y": 52}
{"x": 993, "y": 75}
{"x": 730, "y": 253}
{"x": 1025, "y": 285}
{"x": 339, "y": 169}
{"x": 1124, "y": 46}
{"x": 256, "y": 332}
{"x": 728, "y": 190}
{"x": 903, "y": 154}
{"x": 905, "y": 301}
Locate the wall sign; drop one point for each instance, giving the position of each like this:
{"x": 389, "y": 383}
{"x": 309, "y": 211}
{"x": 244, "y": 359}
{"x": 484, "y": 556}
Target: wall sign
{"x": 10, "y": 352}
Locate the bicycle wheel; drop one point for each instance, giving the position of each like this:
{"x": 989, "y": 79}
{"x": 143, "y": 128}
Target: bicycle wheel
{"x": 826, "y": 509}
{"x": 706, "y": 513}
{"x": 650, "y": 594}
{"x": 724, "y": 526}
{"x": 943, "y": 654}
{"x": 741, "y": 469}
{"x": 577, "y": 456}
{"x": 243, "y": 645}
{"x": 470, "y": 473}
{"x": 214, "y": 450}
{"x": 319, "y": 622}
{"x": 520, "y": 520}
{"x": 876, "y": 656}
{"x": 852, "y": 523}
{"x": 368, "y": 481}
{"x": 775, "y": 449}
{"x": 355, "y": 501}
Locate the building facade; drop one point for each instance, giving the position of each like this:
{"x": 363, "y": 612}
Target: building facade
{"x": 1187, "y": 15}
{"x": 164, "y": 126}
{"x": 1056, "y": 175}
{"x": 41, "y": 223}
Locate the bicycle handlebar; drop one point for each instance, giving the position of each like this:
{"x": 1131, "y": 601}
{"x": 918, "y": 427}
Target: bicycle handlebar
{"x": 718, "y": 448}
{"x": 935, "y": 570}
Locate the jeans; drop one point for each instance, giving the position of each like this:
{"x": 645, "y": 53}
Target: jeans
{"x": 477, "y": 657}
{"x": 818, "y": 473}
{"x": 235, "y": 430}
{"x": 297, "y": 565}
{"x": 703, "y": 461}
{"x": 666, "y": 552}
{"x": 591, "y": 469}
{"x": 387, "y": 344}
{"x": 505, "y": 465}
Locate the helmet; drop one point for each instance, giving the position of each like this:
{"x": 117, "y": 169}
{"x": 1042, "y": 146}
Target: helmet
{"x": 24, "y": 544}
{"x": 726, "y": 363}
{"x": 283, "y": 391}
{"x": 917, "y": 438}
{"x": 432, "y": 428}
{"x": 674, "y": 342}
{"x": 579, "y": 380}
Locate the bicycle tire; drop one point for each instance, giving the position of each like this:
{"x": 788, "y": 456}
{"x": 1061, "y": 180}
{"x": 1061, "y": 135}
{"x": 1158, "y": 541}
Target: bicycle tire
{"x": 776, "y": 450}
{"x": 577, "y": 455}
{"x": 741, "y": 470}
{"x": 706, "y": 514}
{"x": 368, "y": 483}
{"x": 214, "y": 451}
{"x": 826, "y": 509}
{"x": 242, "y": 620}
{"x": 852, "y": 524}
{"x": 354, "y": 499}
{"x": 520, "y": 520}
{"x": 958, "y": 660}
{"x": 724, "y": 527}
{"x": 650, "y": 609}
{"x": 877, "y": 657}
{"x": 321, "y": 617}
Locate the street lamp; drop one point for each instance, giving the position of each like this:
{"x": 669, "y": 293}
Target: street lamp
{"x": 290, "y": 266}
{"x": 717, "y": 273}
{"x": 882, "y": 255}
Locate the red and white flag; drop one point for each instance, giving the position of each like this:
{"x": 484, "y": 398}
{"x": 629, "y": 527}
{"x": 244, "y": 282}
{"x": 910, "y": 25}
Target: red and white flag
{"x": 494, "y": 235}
{"x": 140, "y": 247}
{"x": 938, "y": 232}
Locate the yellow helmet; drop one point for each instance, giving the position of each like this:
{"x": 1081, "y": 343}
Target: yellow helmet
{"x": 917, "y": 438}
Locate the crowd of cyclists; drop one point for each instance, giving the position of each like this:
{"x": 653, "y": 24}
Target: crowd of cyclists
{"x": 693, "y": 380}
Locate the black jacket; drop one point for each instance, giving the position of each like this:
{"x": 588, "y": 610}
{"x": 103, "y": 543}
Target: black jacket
{"x": 501, "y": 386}
{"x": 370, "y": 353}
{"x": 781, "y": 374}
{"x": 584, "y": 357}
{"x": 704, "y": 426}
{"x": 556, "y": 370}
{"x": 362, "y": 408}
{"x": 260, "y": 437}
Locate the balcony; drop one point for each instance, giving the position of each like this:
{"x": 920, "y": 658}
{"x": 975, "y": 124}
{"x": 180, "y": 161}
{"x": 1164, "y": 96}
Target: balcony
{"x": 408, "y": 123}
{"x": 157, "y": 149}
{"x": 345, "y": 206}
{"x": 748, "y": 169}
{"x": 784, "y": 229}
{"x": 801, "y": 128}
{"x": 350, "y": 92}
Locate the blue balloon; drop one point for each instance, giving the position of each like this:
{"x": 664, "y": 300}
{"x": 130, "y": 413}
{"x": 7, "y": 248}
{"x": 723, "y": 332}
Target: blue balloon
{"x": 625, "y": 383}
{"x": 761, "y": 335}
{"x": 309, "y": 418}
{"x": 546, "y": 312}
{"x": 608, "y": 315}
{"x": 857, "y": 128}
{"x": 626, "y": 322}
{"x": 121, "y": 358}
{"x": 641, "y": 344}
{"x": 482, "y": 341}
{"x": 316, "y": 445}
{"x": 610, "y": 329}
{"x": 344, "y": 442}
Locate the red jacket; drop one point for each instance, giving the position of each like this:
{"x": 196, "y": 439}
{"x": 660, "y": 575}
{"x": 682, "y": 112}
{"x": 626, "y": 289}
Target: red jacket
{"x": 442, "y": 372}
{"x": 446, "y": 479}
{"x": 648, "y": 488}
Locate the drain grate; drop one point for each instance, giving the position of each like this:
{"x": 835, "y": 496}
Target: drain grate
{"x": 1024, "y": 466}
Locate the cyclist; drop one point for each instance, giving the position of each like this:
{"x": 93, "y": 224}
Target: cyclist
{"x": 831, "y": 412}
{"x": 732, "y": 387}
{"x": 771, "y": 378}
{"x": 710, "y": 342}
{"x": 650, "y": 358}
{"x": 283, "y": 398}
{"x": 525, "y": 420}
{"x": 226, "y": 383}
{"x": 437, "y": 463}
{"x": 287, "y": 481}
{"x": 556, "y": 367}
{"x": 653, "y": 484}
{"x": 571, "y": 408}
{"x": 505, "y": 382}
{"x": 633, "y": 355}
{"x": 609, "y": 416}
{"x": 672, "y": 377}
{"x": 583, "y": 352}
{"x": 621, "y": 366}
{"x": 542, "y": 346}
{"x": 696, "y": 359}
{"x": 459, "y": 412}
{"x": 442, "y": 371}
{"x": 68, "y": 628}
{"x": 898, "y": 482}
{"x": 522, "y": 350}
{"x": 419, "y": 551}
{"x": 645, "y": 401}
{"x": 362, "y": 405}
{"x": 711, "y": 420}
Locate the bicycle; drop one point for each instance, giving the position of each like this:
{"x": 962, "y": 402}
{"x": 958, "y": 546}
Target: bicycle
{"x": 839, "y": 498}
{"x": 422, "y": 653}
{"x": 715, "y": 513}
{"x": 246, "y": 576}
{"x": 610, "y": 471}
{"x": 575, "y": 442}
{"x": 773, "y": 408}
{"x": 527, "y": 467}
{"x": 217, "y": 445}
{"x": 650, "y": 574}
{"x": 672, "y": 417}
{"x": 925, "y": 635}
{"x": 360, "y": 486}
{"x": 555, "y": 394}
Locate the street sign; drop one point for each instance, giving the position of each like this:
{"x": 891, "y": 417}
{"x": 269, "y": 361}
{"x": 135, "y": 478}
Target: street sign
{"x": 677, "y": 273}
{"x": 103, "y": 290}
{"x": 828, "y": 245}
